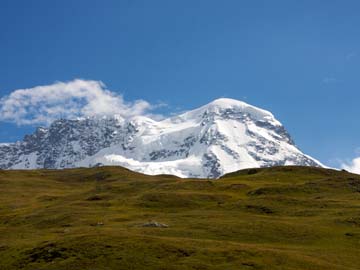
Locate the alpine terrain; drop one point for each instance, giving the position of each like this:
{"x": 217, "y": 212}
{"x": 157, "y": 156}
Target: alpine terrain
{"x": 223, "y": 136}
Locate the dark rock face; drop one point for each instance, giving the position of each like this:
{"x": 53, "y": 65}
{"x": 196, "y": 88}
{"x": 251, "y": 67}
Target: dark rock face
{"x": 279, "y": 130}
{"x": 212, "y": 165}
{"x": 64, "y": 142}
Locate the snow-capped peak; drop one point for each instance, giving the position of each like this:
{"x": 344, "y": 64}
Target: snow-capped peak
{"x": 233, "y": 104}
{"x": 225, "y": 107}
{"x": 223, "y": 136}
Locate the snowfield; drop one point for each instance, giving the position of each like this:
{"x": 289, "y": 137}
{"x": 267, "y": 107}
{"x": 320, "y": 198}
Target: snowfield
{"x": 223, "y": 136}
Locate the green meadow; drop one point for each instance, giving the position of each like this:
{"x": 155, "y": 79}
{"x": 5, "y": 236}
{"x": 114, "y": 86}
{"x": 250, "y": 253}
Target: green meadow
{"x": 113, "y": 218}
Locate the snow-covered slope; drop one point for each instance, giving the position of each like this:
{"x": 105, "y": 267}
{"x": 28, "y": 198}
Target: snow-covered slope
{"x": 223, "y": 136}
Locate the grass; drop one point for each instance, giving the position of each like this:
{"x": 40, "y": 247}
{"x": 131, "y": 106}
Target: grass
{"x": 274, "y": 218}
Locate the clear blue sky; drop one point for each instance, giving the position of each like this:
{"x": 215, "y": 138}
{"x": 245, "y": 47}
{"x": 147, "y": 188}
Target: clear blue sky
{"x": 298, "y": 59}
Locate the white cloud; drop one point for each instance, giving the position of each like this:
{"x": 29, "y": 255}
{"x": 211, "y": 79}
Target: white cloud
{"x": 77, "y": 98}
{"x": 353, "y": 166}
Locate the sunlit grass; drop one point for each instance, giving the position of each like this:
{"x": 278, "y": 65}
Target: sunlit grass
{"x": 275, "y": 218}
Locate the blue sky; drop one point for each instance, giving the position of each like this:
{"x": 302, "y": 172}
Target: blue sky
{"x": 298, "y": 59}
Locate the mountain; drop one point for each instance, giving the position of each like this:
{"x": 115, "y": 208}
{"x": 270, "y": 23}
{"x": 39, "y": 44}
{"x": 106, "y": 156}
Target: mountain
{"x": 223, "y": 136}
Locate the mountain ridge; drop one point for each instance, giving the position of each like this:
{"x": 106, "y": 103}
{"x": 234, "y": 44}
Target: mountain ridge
{"x": 223, "y": 136}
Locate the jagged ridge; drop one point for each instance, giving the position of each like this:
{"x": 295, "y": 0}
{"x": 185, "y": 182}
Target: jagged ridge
{"x": 223, "y": 136}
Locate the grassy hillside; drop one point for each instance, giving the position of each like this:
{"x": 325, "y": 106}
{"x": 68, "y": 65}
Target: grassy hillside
{"x": 276, "y": 218}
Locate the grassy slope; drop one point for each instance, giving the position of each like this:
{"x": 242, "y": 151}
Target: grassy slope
{"x": 277, "y": 218}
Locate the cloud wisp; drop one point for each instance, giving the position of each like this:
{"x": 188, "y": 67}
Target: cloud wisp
{"x": 353, "y": 166}
{"x": 78, "y": 98}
